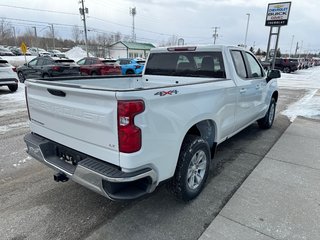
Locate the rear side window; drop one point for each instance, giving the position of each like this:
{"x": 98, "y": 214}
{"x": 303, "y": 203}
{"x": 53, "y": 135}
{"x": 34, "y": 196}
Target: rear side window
{"x": 81, "y": 62}
{"x": 186, "y": 64}
{"x": 239, "y": 63}
{"x": 141, "y": 62}
{"x": 40, "y": 62}
{"x": 255, "y": 69}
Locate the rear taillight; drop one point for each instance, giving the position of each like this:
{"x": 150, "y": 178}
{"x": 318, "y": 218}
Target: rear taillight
{"x": 138, "y": 66}
{"x": 26, "y": 96}
{"x": 14, "y": 69}
{"x": 129, "y": 135}
{"x": 55, "y": 68}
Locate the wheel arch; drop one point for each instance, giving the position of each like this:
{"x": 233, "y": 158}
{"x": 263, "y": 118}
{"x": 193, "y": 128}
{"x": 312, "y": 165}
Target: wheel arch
{"x": 275, "y": 95}
{"x": 206, "y": 129}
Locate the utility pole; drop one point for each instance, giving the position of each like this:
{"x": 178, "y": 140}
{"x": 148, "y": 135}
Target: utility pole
{"x": 300, "y": 48}
{"x": 53, "y": 38}
{"x": 297, "y": 47}
{"x": 83, "y": 12}
{"x": 245, "y": 38}
{"x": 35, "y": 34}
{"x": 291, "y": 45}
{"x": 215, "y": 34}
{"x": 133, "y": 12}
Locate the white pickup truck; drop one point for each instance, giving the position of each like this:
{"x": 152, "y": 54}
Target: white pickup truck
{"x": 122, "y": 136}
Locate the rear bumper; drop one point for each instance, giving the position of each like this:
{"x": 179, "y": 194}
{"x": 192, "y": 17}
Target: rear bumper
{"x": 8, "y": 81}
{"x": 99, "y": 176}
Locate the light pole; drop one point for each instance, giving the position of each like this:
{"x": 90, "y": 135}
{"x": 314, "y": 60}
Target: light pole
{"x": 35, "y": 34}
{"x": 53, "y": 38}
{"x": 245, "y": 38}
{"x": 291, "y": 45}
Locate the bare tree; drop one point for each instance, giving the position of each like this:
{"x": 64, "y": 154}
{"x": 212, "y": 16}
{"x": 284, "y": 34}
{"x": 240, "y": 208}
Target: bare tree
{"x": 28, "y": 37}
{"x": 76, "y": 34}
{"x": 5, "y": 31}
{"x": 173, "y": 40}
{"x": 117, "y": 37}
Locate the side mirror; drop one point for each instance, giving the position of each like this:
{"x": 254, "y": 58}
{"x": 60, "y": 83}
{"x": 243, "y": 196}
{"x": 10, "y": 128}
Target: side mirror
{"x": 273, "y": 74}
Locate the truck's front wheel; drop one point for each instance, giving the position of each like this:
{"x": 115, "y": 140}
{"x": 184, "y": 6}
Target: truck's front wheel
{"x": 192, "y": 168}
{"x": 267, "y": 121}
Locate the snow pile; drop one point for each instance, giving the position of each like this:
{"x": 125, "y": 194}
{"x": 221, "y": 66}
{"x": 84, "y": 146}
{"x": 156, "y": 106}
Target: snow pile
{"x": 76, "y": 53}
{"x": 309, "y": 105}
{"x": 301, "y": 79}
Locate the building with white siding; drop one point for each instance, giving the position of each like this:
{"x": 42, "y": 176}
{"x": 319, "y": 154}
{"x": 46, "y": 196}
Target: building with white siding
{"x": 123, "y": 49}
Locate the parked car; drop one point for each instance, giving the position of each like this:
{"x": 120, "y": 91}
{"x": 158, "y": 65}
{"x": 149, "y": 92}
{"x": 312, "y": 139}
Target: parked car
{"x": 38, "y": 52}
{"x": 99, "y": 66}
{"x": 286, "y": 65}
{"x": 131, "y": 65}
{"x": 56, "y": 53}
{"x": 17, "y": 51}
{"x": 5, "y": 52}
{"x": 48, "y": 67}
{"x": 8, "y": 75}
{"x": 265, "y": 64}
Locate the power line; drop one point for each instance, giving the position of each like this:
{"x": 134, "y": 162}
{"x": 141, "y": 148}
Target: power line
{"x": 39, "y": 10}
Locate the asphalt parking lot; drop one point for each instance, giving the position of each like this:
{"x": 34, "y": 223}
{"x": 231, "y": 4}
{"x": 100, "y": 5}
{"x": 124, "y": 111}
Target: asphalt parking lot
{"x": 33, "y": 206}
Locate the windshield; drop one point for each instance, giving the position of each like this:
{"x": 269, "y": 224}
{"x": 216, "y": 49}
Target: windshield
{"x": 186, "y": 64}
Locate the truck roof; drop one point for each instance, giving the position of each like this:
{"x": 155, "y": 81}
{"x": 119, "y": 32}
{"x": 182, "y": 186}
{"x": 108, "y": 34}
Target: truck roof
{"x": 190, "y": 48}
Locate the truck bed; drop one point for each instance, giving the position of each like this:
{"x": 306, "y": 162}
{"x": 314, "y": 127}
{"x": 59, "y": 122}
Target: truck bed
{"x": 122, "y": 83}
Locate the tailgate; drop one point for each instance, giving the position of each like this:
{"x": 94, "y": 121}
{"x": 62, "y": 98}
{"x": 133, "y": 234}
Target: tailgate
{"x": 82, "y": 119}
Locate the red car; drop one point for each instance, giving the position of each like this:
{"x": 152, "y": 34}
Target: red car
{"x": 99, "y": 66}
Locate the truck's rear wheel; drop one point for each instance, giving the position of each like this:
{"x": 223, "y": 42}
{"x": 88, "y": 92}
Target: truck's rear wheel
{"x": 192, "y": 168}
{"x": 129, "y": 72}
{"x": 13, "y": 87}
{"x": 267, "y": 121}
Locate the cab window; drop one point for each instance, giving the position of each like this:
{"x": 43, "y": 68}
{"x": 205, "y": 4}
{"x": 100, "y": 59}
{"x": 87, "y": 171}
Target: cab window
{"x": 255, "y": 70}
{"x": 239, "y": 63}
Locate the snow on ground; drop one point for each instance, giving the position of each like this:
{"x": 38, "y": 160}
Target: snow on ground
{"x": 309, "y": 105}
{"x": 18, "y": 60}
{"x": 17, "y": 97}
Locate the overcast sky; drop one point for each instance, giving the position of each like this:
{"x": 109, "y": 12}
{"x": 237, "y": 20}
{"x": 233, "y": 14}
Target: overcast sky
{"x": 157, "y": 20}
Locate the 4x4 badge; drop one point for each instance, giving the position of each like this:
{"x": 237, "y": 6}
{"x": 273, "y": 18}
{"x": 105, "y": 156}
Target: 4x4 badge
{"x": 164, "y": 93}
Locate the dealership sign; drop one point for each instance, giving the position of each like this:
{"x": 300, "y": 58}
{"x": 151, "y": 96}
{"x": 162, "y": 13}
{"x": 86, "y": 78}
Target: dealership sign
{"x": 278, "y": 14}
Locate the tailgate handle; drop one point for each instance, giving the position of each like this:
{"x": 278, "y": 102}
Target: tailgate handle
{"x": 55, "y": 92}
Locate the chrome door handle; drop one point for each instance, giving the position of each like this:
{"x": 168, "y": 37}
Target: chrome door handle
{"x": 243, "y": 90}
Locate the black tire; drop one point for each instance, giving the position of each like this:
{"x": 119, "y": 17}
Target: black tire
{"x": 45, "y": 75}
{"x": 129, "y": 72}
{"x": 94, "y": 74}
{"x": 13, "y": 87}
{"x": 267, "y": 121}
{"x": 183, "y": 184}
{"x": 286, "y": 70}
{"x": 21, "y": 77}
